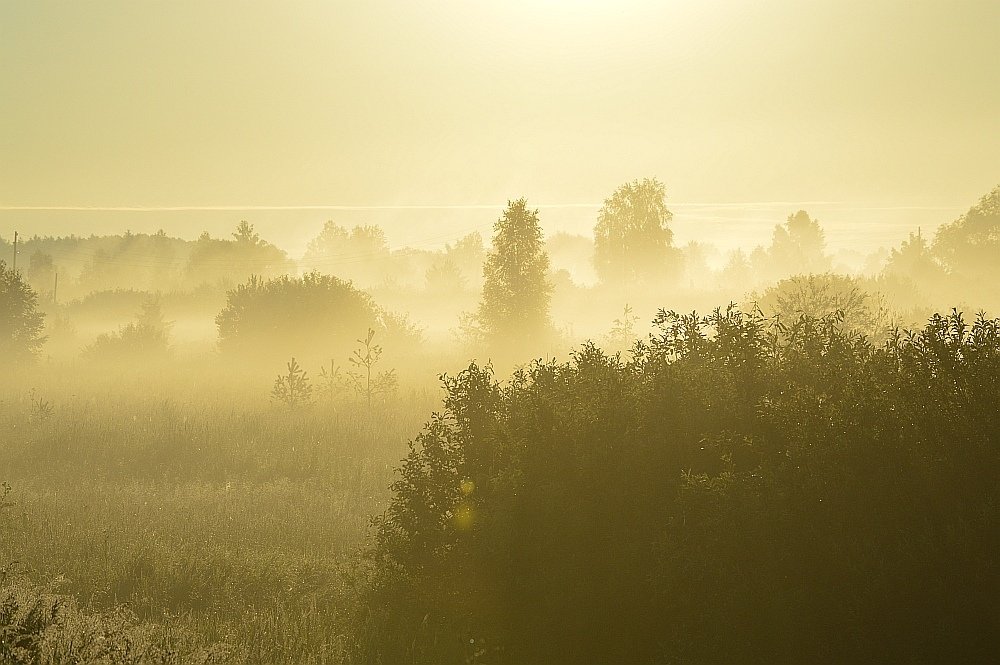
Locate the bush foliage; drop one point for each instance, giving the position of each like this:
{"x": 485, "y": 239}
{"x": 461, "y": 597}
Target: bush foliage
{"x": 312, "y": 315}
{"x": 21, "y": 322}
{"x": 736, "y": 490}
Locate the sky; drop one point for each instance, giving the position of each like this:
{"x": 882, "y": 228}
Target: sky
{"x": 877, "y": 116}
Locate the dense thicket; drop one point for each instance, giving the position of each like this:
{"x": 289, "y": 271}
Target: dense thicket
{"x": 738, "y": 491}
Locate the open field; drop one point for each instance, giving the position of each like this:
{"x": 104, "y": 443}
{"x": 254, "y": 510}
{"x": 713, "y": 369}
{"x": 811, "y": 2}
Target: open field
{"x": 207, "y": 509}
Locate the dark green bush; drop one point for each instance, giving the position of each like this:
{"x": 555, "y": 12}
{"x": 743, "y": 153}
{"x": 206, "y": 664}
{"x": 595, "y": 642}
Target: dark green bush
{"x": 737, "y": 491}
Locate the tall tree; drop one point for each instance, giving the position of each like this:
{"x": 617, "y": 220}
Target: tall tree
{"x": 361, "y": 254}
{"x": 246, "y": 234}
{"x": 971, "y": 244}
{"x": 41, "y": 271}
{"x": 228, "y": 262}
{"x": 21, "y": 323}
{"x": 969, "y": 248}
{"x": 632, "y": 239}
{"x": 914, "y": 260}
{"x": 514, "y": 310}
{"x": 468, "y": 254}
{"x": 798, "y": 246}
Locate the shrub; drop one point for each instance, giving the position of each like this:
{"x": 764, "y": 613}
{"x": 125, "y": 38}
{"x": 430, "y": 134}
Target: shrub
{"x": 740, "y": 491}
{"x": 817, "y": 296}
{"x": 143, "y": 340}
{"x": 309, "y": 315}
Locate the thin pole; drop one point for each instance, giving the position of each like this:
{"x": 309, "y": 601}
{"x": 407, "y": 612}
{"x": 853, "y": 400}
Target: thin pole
{"x": 15, "y": 252}
{"x": 55, "y": 288}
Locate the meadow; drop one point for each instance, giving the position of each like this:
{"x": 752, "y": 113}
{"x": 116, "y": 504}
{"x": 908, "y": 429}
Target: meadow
{"x": 219, "y": 512}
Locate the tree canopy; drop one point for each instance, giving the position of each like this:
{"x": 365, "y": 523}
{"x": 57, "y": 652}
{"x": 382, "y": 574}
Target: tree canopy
{"x": 797, "y": 247}
{"x": 309, "y": 316}
{"x": 361, "y": 254}
{"x": 218, "y": 261}
{"x": 969, "y": 248}
{"x": 739, "y": 491}
{"x": 855, "y": 307}
{"x": 21, "y": 322}
{"x": 514, "y": 310}
{"x": 914, "y": 260}
{"x": 632, "y": 238}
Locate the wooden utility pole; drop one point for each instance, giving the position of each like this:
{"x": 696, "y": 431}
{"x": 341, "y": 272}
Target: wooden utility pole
{"x": 15, "y": 253}
{"x": 55, "y": 288}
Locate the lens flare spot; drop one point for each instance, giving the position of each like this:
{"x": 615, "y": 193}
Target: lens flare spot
{"x": 464, "y": 516}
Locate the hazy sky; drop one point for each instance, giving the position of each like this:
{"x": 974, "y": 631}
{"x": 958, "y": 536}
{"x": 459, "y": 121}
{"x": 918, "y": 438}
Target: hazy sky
{"x": 862, "y": 104}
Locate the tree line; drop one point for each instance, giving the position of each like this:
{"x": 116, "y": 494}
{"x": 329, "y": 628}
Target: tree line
{"x": 632, "y": 252}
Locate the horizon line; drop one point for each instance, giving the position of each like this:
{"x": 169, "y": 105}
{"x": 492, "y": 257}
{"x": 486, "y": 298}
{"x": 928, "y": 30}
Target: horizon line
{"x": 469, "y": 206}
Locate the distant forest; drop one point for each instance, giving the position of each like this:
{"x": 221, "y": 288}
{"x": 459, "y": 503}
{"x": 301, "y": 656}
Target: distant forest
{"x": 606, "y": 287}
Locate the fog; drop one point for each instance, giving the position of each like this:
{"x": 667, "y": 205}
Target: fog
{"x": 437, "y": 282}
{"x": 534, "y": 332}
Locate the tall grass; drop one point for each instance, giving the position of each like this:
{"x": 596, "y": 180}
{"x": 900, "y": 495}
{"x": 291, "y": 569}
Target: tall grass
{"x": 201, "y": 506}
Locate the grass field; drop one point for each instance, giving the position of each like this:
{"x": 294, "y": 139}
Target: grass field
{"x": 217, "y": 513}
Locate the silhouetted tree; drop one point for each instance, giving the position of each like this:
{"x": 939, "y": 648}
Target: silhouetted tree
{"x": 797, "y": 247}
{"x": 368, "y": 381}
{"x": 331, "y": 242}
{"x": 912, "y": 275}
{"x": 21, "y": 323}
{"x": 246, "y": 235}
{"x": 738, "y": 273}
{"x": 227, "y": 262}
{"x": 361, "y": 254}
{"x": 144, "y": 340}
{"x": 468, "y": 255}
{"x": 134, "y": 260}
{"x": 151, "y": 315}
{"x": 41, "y": 272}
{"x": 632, "y": 238}
{"x": 444, "y": 279}
{"x": 969, "y": 248}
{"x": 913, "y": 259}
{"x": 623, "y": 331}
{"x": 514, "y": 310}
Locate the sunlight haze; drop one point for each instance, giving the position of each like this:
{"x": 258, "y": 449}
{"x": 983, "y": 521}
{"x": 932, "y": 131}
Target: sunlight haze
{"x": 452, "y": 103}
{"x": 621, "y": 332}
